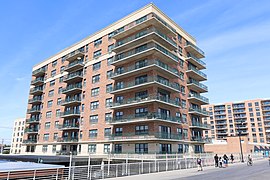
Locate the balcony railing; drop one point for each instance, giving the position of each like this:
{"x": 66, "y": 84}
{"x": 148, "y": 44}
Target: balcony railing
{"x": 75, "y": 54}
{"x": 196, "y": 61}
{"x": 191, "y": 68}
{"x": 201, "y": 98}
{"x": 72, "y": 87}
{"x": 146, "y": 136}
{"x": 31, "y": 130}
{"x": 37, "y": 80}
{"x": 149, "y": 79}
{"x": 198, "y": 111}
{"x": 72, "y": 65}
{"x": 69, "y": 126}
{"x": 71, "y": 100}
{"x": 200, "y": 85}
{"x": 145, "y": 99}
{"x": 201, "y": 139}
{"x": 32, "y": 120}
{"x": 68, "y": 139}
{"x": 36, "y": 89}
{"x": 34, "y": 109}
{"x": 71, "y": 113}
{"x": 35, "y": 99}
{"x": 200, "y": 125}
{"x": 140, "y": 50}
{"x": 39, "y": 71}
{"x": 30, "y": 141}
{"x": 147, "y": 116}
{"x": 195, "y": 48}
{"x": 73, "y": 75}
{"x": 146, "y": 64}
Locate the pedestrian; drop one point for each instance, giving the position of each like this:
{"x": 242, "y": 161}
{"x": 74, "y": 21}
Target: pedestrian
{"x": 199, "y": 164}
{"x": 220, "y": 162}
{"x": 232, "y": 158}
{"x": 216, "y": 160}
{"x": 226, "y": 159}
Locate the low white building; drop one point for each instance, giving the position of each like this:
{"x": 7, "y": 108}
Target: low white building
{"x": 17, "y": 136}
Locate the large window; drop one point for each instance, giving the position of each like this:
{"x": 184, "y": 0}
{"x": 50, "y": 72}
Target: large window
{"x": 107, "y": 148}
{"x": 94, "y": 105}
{"x": 109, "y": 88}
{"x": 139, "y": 112}
{"x": 109, "y": 102}
{"x": 118, "y": 131}
{"x": 96, "y": 78}
{"x": 98, "y": 42}
{"x": 141, "y": 79}
{"x": 96, "y": 66}
{"x": 92, "y": 148}
{"x": 118, "y": 148}
{"x": 119, "y": 115}
{"x": 94, "y": 119}
{"x": 44, "y": 148}
{"x": 107, "y": 132}
{"x": 97, "y": 53}
{"x": 108, "y": 117}
{"x": 93, "y": 133}
{"x": 95, "y": 92}
{"x": 141, "y": 148}
{"x": 141, "y": 129}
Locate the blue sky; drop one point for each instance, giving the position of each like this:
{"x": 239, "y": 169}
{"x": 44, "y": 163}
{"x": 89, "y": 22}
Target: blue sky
{"x": 233, "y": 34}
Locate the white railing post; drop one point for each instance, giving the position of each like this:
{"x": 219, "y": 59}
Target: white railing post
{"x": 34, "y": 175}
{"x": 116, "y": 173}
{"x": 109, "y": 163}
{"x": 56, "y": 178}
{"x": 176, "y": 163}
{"x": 126, "y": 165}
{"x": 149, "y": 167}
{"x": 69, "y": 170}
{"x": 166, "y": 161}
{"x": 8, "y": 175}
{"x": 88, "y": 167}
{"x": 155, "y": 162}
{"x": 186, "y": 163}
{"x": 142, "y": 166}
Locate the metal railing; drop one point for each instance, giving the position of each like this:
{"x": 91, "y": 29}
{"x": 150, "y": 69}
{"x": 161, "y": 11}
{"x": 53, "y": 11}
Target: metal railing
{"x": 198, "y": 124}
{"x": 73, "y": 75}
{"x": 74, "y": 53}
{"x": 202, "y": 98}
{"x": 39, "y": 79}
{"x": 195, "y": 47}
{"x": 40, "y": 70}
{"x": 192, "y": 81}
{"x": 197, "y": 71}
{"x": 71, "y": 87}
{"x": 197, "y": 59}
{"x": 35, "y": 99}
{"x": 198, "y": 110}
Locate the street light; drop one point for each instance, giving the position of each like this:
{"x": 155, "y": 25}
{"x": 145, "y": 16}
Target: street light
{"x": 239, "y": 134}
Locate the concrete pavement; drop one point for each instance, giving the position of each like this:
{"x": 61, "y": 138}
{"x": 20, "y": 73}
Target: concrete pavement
{"x": 240, "y": 171}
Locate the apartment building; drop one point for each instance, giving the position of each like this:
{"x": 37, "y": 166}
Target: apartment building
{"x": 17, "y": 136}
{"x": 251, "y": 118}
{"x": 133, "y": 87}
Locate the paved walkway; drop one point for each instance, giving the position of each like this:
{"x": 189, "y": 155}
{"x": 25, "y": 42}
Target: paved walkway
{"x": 240, "y": 171}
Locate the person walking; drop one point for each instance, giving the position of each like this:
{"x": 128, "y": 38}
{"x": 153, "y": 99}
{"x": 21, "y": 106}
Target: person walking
{"x": 216, "y": 160}
{"x": 232, "y": 158}
{"x": 226, "y": 159}
{"x": 220, "y": 162}
{"x": 199, "y": 164}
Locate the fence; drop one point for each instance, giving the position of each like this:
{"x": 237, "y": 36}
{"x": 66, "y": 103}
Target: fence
{"x": 109, "y": 170}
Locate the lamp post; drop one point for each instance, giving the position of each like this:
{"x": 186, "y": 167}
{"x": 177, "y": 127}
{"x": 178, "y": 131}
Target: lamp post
{"x": 239, "y": 134}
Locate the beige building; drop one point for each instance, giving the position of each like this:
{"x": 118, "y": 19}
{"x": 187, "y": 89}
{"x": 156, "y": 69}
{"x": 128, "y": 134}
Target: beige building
{"x": 17, "y": 136}
{"x": 133, "y": 87}
{"x": 250, "y": 117}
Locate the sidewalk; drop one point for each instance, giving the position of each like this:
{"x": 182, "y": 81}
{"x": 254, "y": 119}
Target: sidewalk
{"x": 176, "y": 174}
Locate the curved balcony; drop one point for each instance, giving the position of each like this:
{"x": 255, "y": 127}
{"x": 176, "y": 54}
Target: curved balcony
{"x": 36, "y": 91}
{"x": 34, "y": 110}
{"x": 196, "y": 74}
{"x": 196, "y": 86}
{"x": 78, "y": 54}
{"x": 131, "y": 102}
{"x": 197, "y": 52}
{"x": 196, "y": 61}
{"x": 135, "y": 118}
{"x": 32, "y": 120}
{"x": 149, "y": 136}
{"x": 198, "y": 112}
{"x": 198, "y": 125}
{"x": 69, "y": 127}
{"x": 150, "y": 81}
{"x": 66, "y": 114}
{"x": 72, "y": 89}
{"x": 37, "y": 81}
{"x": 75, "y": 65}
{"x": 141, "y": 52}
{"x": 73, "y": 77}
{"x": 198, "y": 99}
{"x": 71, "y": 102}
{"x": 35, "y": 100}
{"x": 147, "y": 66}
{"x": 39, "y": 72}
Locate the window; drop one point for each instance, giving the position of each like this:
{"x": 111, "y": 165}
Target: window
{"x": 95, "y": 92}
{"x": 180, "y": 148}
{"x": 48, "y": 114}
{"x": 46, "y": 137}
{"x": 47, "y": 125}
{"x": 185, "y": 133}
{"x": 44, "y": 148}
{"x": 141, "y": 79}
{"x": 54, "y": 63}
{"x": 93, "y": 133}
{"x": 119, "y": 70}
{"x": 61, "y": 79}
{"x": 106, "y": 148}
{"x": 54, "y": 149}
{"x": 139, "y": 112}
{"x": 119, "y": 115}
{"x": 141, "y": 130}
{"x": 109, "y": 74}
{"x": 96, "y": 66}
{"x": 49, "y": 104}
{"x": 107, "y": 132}
{"x": 58, "y": 113}
{"x": 181, "y": 75}
{"x": 92, "y": 148}
{"x": 109, "y": 61}
{"x": 94, "y": 105}
{"x": 62, "y": 69}
{"x": 139, "y": 95}
{"x": 97, "y": 53}
{"x": 60, "y": 90}
{"x": 59, "y": 101}
{"x": 118, "y": 131}
{"x": 94, "y": 119}
{"x": 109, "y": 88}
{"x": 118, "y": 148}
{"x": 119, "y": 85}
{"x": 109, "y": 102}
{"x": 51, "y": 93}
{"x": 258, "y": 114}
{"x": 141, "y": 148}
{"x": 184, "y": 104}
{"x": 108, "y": 117}
{"x": 55, "y": 136}
{"x": 182, "y": 89}
{"x": 110, "y": 35}
{"x": 53, "y": 73}
{"x": 52, "y": 82}
{"x": 95, "y": 78}
{"x": 141, "y": 19}
{"x": 256, "y": 103}
{"x": 98, "y": 42}
{"x": 110, "y": 48}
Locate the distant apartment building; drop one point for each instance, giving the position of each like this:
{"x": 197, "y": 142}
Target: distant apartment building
{"x": 251, "y": 118}
{"x": 133, "y": 87}
{"x": 17, "y": 136}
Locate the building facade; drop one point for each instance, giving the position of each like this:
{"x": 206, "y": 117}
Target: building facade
{"x": 251, "y": 118}
{"x": 133, "y": 87}
{"x": 17, "y": 136}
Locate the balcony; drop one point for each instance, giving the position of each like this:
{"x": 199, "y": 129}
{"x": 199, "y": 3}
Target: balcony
{"x": 31, "y": 130}
{"x": 150, "y": 81}
{"x": 241, "y": 127}
{"x": 73, "y": 77}
{"x": 30, "y": 141}
{"x": 197, "y": 52}
{"x": 267, "y": 125}
{"x": 75, "y": 55}
{"x": 221, "y": 122}
{"x": 69, "y": 127}
{"x": 221, "y": 127}
{"x": 266, "y": 103}
{"x": 68, "y": 139}
{"x": 196, "y": 74}
{"x": 266, "y": 114}
{"x": 240, "y": 117}
{"x": 72, "y": 89}
{"x": 198, "y": 125}
{"x": 34, "y": 110}
{"x": 32, "y": 120}
{"x": 198, "y": 99}
{"x": 145, "y": 67}
{"x": 131, "y": 102}
{"x": 36, "y": 91}
{"x": 196, "y": 86}
{"x": 143, "y": 52}
{"x": 135, "y": 118}
{"x": 148, "y": 21}
{"x": 145, "y": 35}
{"x": 71, "y": 102}
{"x": 39, "y": 72}
{"x": 266, "y": 108}
{"x": 37, "y": 81}
{"x": 198, "y": 112}
{"x": 66, "y": 114}
{"x": 196, "y": 139}
{"x": 241, "y": 106}
{"x": 195, "y": 61}
{"x": 75, "y": 65}
{"x": 221, "y": 132}
{"x": 148, "y": 136}
{"x": 35, "y": 100}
